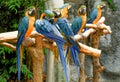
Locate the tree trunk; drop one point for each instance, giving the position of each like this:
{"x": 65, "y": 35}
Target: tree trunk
{"x": 95, "y": 38}
{"x": 38, "y": 59}
{"x": 82, "y": 68}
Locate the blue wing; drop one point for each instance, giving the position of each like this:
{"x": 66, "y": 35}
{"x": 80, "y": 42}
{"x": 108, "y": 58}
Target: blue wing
{"x": 76, "y": 24}
{"x": 65, "y": 27}
{"x": 22, "y": 28}
{"x": 93, "y": 15}
{"x": 67, "y": 30}
{"x": 50, "y": 31}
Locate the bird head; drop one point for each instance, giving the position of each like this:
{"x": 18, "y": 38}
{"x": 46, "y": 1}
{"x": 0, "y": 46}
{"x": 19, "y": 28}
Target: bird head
{"x": 57, "y": 12}
{"x": 100, "y": 4}
{"x": 64, "y": 10}
{"x": 82, "y": 10}
{"x": 31, "y": 11}
{"x": 49, "y": 15}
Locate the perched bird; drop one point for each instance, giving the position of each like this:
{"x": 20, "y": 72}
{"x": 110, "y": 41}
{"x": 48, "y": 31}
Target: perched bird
{"x": 65, "y": 29}
{"x": 25, "y": 28}
{"x": 96, "y": 13}
{"x": 79, "y": 22}
{"x": 46, "y": 28}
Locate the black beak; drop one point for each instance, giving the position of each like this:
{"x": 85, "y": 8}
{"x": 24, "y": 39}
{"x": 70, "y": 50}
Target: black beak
{"x": 82, "y": 11}
{"x": 31, "y": 12}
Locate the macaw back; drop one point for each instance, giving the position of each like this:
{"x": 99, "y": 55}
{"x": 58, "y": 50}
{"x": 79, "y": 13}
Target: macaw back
{"x": 76, "y": 24}
{"x": 50, "y": 31}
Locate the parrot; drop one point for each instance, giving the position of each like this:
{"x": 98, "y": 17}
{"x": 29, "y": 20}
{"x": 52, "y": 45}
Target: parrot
{"x": 65, "y": 29}
{"x": 45, "y": 27}
{"x": 79, "y": 22}
{"x": 96, "y": 13}
{"x": 25, "y": 27}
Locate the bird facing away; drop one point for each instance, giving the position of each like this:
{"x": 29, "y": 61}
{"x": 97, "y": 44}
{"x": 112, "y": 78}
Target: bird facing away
{"x": 25, "y": 28}
{"x": 46, "y": 28}
{"x": 65, "y": 28}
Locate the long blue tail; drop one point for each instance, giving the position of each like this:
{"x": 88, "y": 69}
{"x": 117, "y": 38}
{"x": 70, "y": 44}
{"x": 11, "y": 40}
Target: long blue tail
{"x": 62, "y": 58}
{"x": 74, "y": 44}
{"x": 18, "y": 63}
{"x": 75, "y": 57}
{"x": 19, "y": 42}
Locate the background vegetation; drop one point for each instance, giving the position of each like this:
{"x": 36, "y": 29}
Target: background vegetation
{"x": 11, "y": 12}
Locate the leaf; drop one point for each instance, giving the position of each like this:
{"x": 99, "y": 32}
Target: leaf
{"x": 13, "y": 69}
{"x": 26, "y": 71}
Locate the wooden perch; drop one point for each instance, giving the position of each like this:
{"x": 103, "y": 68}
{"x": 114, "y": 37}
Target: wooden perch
{"x": 93, "y": 27}
{"x": 89, "y": 50}
{"x": 8, "y": 45}
{"x": 10, "y": 36}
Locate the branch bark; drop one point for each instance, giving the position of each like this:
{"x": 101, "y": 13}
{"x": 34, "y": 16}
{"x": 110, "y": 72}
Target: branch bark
{"x": 8, "y": 45}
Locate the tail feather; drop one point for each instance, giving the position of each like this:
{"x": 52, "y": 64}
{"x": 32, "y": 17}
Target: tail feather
{"x": 18, "y": 63}
{"x": 75, "y": 58}
{"x": 74, "y": 44}
{"x": 62, "y": 58}
{"x": 18, "y": 51}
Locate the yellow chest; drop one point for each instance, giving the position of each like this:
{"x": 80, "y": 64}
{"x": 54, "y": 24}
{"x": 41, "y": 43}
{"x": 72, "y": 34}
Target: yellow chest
{"x": 98, "y": 16}
{"x": 30, "y": 26}
{"x": 83, "y": 24}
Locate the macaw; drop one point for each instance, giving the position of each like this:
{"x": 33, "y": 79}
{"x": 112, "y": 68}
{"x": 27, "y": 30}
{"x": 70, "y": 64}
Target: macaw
{"x": 79, "y": 22}
{"x": 25, "y": 28}
{"x": 49, "y": 30}
{"x": 65, "y": 29}
{"x": 96, "y": 13}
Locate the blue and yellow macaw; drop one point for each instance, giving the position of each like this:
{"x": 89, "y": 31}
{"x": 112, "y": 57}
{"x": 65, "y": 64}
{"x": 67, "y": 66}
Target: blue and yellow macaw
{"x": 96, "y": 13}
{"x": 65, "y": 28}
{"x": 25, "y": 28}
{"x": 79, "y": 22}
{"x": 45, "y": 27}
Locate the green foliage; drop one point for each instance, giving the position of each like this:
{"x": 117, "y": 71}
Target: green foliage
{"x": 111, "y": 4}
{"x": 8, "y": 68}
{"x": 11, "y": 11}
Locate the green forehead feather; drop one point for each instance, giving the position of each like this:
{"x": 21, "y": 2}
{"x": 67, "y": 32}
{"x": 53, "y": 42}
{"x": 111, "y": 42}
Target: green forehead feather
{"x": 31, "y": 7}
{"x": 102, "y": 3}
{"x": 49, "y": 13}
{"x": 82, "y": 6}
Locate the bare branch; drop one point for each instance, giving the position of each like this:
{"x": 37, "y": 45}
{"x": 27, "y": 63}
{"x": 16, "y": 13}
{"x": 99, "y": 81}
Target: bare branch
{"x": 8, "y": 45}
{"x": 93, "y": 27}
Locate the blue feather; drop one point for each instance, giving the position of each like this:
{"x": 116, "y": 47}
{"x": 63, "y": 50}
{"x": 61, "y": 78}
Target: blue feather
{"x": 66, "y": 29}
{"x": 76, "y": 24}
{"x": 22, "y": 28}
{"x": 93, "y": 15}
{"x": 47, "y": 29}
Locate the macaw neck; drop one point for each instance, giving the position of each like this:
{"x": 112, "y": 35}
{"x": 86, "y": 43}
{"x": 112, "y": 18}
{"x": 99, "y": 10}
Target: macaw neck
{"x": 84, "y": 19}
{"x": 32, "y": 18}
{"x": 98, "y": 15}
{"x": 30, "y": 26}
{"x": 83, "y": 16}
{"x": 42, "y": 16}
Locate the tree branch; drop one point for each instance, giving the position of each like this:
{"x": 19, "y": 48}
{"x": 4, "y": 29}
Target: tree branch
{"x": 93, "y": 27}
{"x": 8, "y": 45}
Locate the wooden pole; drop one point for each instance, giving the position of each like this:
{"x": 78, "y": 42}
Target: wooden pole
{"x": 97, "y": 68}
{"x": 38, "y": 59}
{"x": 82, "y": 68}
